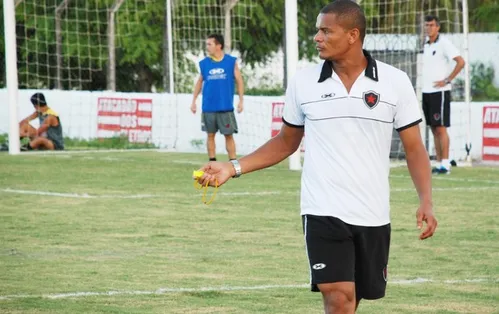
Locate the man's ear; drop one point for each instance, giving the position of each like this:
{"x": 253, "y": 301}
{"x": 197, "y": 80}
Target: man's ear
{"x": 354, "y": 35}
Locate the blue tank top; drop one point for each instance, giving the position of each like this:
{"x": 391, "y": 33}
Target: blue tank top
{"x": 218, "y": 86}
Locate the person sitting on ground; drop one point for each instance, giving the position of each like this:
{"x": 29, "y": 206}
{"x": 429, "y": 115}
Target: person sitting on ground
{"x": 49, "y": 135}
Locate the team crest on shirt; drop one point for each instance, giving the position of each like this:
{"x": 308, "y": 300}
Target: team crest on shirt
{"x": 371, "y": 99}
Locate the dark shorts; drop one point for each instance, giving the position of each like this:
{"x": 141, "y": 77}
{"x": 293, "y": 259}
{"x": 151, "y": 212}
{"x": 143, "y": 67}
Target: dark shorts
{"x": 211, "y": 122}
{"x": 57, "y": 144}
{"x": 338, "y": 252}
{"x": 436, "y": 108}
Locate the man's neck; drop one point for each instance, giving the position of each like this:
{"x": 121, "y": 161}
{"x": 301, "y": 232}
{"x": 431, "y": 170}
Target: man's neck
{"x": 433, "y": 38}
{"x": 218, "y": 56}
{"x": 351, "y": 65}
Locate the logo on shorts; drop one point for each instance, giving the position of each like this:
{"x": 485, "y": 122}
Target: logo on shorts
{"x": 319, "y": 266}
{"x": 371, "y": 99}
{"x": 436, "y": 116}
{"x": 385, "y": 273}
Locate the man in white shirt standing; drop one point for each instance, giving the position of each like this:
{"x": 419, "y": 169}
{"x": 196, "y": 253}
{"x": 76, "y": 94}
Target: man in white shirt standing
{"x": 437, "y": 54}
{"x": 349, "y": 104}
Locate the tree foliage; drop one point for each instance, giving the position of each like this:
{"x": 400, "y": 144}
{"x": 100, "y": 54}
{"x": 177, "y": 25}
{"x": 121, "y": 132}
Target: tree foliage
{"x": 484, "y": 15}
{"x": 140, "y": 31}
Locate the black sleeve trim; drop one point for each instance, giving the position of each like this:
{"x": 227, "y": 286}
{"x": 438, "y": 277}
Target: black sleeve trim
{"x": 292, "y": 125}
{"x": 409, "y": 125}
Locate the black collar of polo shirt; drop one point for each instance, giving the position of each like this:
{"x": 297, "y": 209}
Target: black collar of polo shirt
{"x": 371, "y": 69}
{"x": 436, "y": 39}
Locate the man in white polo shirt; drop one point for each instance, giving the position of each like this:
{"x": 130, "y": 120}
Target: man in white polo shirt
{"x": 349, "y": 105}
{"x": 438, "y": 52}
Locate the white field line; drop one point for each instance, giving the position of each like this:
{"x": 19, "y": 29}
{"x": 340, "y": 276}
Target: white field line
{"x": 73, "y": 195}
{"x": 457, "y": 188}
{"x": 263, "y": 193}
{"x": 244, "y": 193}
{"x": 259, "y": 193}
{"x": 76, "y": 152}
{"x": 450, "y": 178}
{"x": 199, "y": 164}
{"x": 106, "y": 158}
{"x": 228, "y": 288}
{"x": 188, "y": 162}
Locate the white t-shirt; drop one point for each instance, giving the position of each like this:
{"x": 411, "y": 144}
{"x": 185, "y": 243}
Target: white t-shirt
{"x": 437, "y": 58}
{"x": 348, "y": 138}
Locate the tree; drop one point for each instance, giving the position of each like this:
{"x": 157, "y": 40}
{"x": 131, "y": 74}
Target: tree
{"x": 84, "y": 44}
{"x": 140, "y": 27}
{"x": 483, "y": 15}
{"x": 140, "y": 50}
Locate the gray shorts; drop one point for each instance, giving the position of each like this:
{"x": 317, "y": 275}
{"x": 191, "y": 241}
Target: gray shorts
{"x": 211, "y": 122}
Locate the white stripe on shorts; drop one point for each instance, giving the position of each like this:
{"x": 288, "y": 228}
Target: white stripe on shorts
{"x": 442, "y": 102}
{"x": 306, "y": 248}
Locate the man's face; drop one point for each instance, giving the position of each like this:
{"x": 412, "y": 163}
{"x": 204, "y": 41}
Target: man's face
{"x": 431, "y": 28}
{"x": 212, "y": 47}
{"x": 331, "y": 40}
{"x": 37, "y": 108}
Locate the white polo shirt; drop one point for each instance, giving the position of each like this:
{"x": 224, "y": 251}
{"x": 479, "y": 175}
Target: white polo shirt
{"x": 437, "y": 58}
{"x": 348, "y": 138}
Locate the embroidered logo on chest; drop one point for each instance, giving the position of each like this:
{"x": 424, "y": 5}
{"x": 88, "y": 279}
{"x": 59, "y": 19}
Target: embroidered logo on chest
{"x": 371, "y": 99}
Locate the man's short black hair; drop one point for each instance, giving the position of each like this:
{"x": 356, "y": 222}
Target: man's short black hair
{"x": 430, "y": 18}
{"x": 350, "y": 13}
{"x": 219, "y": 39}
{"x": 38, "y": 99}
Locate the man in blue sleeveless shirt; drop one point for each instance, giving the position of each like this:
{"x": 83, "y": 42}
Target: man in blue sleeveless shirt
{"x": 49, "y": 134}
{"x": 218, "y": 73}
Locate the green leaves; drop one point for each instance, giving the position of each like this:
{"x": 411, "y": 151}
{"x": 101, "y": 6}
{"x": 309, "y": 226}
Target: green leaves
{"x": 482, "y": 86}
{"x": 140, "y": 31}
{"x": 484, "y": 16}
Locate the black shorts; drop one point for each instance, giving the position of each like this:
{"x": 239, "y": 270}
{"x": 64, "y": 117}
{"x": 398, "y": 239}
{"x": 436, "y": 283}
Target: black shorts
{"x": 225, "y": 121}
{"x": 436, "y": 108}
{"x": 338, "y": 251}
{"x": 57, "y": 144}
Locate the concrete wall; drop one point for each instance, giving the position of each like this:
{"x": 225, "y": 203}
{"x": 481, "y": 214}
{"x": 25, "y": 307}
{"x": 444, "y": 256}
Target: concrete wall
{"x": 175, "y": 127}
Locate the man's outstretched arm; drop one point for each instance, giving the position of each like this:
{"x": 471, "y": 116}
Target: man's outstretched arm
{"x": 240, "y": 87}
{"x": 274, "y": 151}
{"x": 32, "y": 116}
{"x": 420, "y": 170}
{"x": 197, "y": 90}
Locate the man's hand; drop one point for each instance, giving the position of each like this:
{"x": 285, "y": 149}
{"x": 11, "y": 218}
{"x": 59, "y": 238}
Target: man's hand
{"x": 441, "y": 83}
{"x": 240, "y": 106}
{"x": 425, "y": 214}
{"x": 194, "y": 107}
{"x": 216, "y": 173}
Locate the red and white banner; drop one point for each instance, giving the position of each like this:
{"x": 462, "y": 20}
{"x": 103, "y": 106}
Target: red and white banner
{"x": 277, "y": 110}
{"x": 125, "y": 116}
{"x": 490, "y": 138}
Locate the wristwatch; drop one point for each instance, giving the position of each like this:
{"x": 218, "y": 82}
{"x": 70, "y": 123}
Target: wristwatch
{"x": 447, "y": 81}
{"x": 237, "y": 167}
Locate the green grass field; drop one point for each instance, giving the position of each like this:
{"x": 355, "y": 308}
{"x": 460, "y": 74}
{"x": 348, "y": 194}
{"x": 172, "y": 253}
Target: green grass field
{"x": 128, "y": 233}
